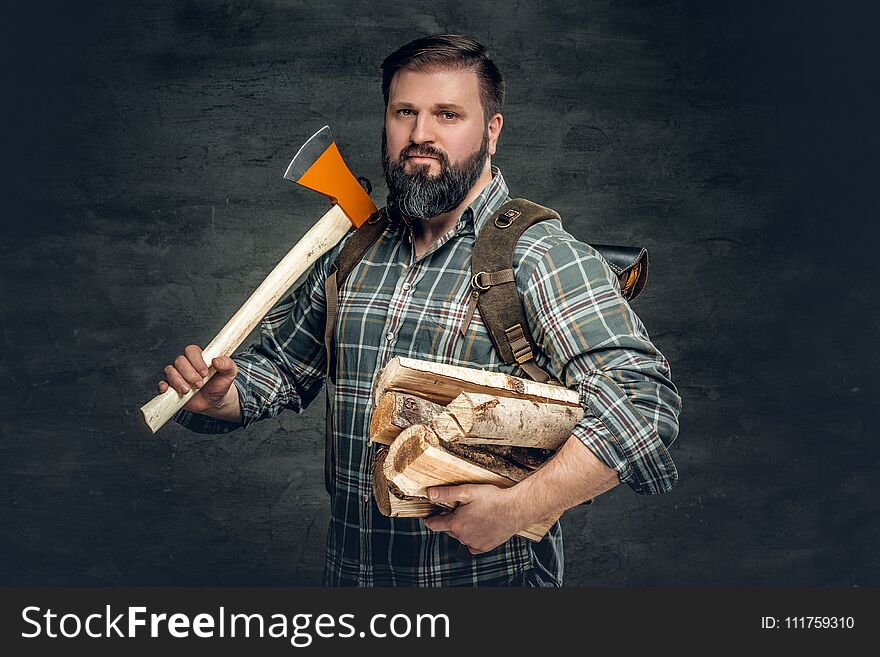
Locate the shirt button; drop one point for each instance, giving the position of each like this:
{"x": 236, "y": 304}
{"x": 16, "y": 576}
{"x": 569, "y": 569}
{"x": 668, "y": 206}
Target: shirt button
{"x": 389, "y": 336}
{"x": 366, "y": 498}
{"x": 406, "y": 286}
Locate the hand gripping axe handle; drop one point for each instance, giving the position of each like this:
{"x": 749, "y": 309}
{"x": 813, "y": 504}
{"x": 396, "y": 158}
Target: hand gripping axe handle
{"x": 318, "y": 166}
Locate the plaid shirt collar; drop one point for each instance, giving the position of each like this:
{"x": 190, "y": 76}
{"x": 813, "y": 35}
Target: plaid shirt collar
{"x": 490, "y": 198}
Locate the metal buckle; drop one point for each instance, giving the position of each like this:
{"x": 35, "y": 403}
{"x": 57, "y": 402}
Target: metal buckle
{"x": 476, "y": 282}
{"x": 523, "y": 355}
{"x": 516, "y": 335}
{"x": 504, "y": 220}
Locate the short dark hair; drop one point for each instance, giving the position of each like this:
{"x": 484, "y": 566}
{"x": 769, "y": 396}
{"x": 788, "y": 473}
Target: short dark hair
{"x": 449, "y": 51}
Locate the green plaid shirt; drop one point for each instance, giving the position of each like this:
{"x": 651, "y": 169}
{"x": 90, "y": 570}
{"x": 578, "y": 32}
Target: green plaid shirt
{"x": 391, "y": 305}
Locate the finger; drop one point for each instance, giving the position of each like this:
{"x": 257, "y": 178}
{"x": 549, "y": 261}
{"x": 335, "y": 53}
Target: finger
{"x": 163, "y": 386}
{"x": 188, "y": 372}
{"x": 441, "y": 523}
{"x": 172, "y": 376}
{"x": 449, "y": 494}
{"x": 194, "y": 354}
{"x": 226, "y": 369}
{"x": 224, "y": 364}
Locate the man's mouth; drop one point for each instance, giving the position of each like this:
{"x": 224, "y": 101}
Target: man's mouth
{"x": 421, "y": 158}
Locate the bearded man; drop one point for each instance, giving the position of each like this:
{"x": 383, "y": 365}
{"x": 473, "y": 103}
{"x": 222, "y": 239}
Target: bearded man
{"x": 409, "y": 296}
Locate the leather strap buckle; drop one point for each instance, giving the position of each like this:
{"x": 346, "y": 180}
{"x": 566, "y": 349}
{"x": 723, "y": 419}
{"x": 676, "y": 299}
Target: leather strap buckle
{"x": 522, "y": 350}
{"x": 504, "y": 220}
{"x": 475, "y": 281}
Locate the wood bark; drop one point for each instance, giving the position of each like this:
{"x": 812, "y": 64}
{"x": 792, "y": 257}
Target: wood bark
{"x": 476, "y": 418}
{"x": 529, "y": 458}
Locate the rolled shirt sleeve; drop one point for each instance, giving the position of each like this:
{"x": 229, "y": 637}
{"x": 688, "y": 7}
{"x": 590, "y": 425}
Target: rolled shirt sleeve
{"x": 593, "y": 342}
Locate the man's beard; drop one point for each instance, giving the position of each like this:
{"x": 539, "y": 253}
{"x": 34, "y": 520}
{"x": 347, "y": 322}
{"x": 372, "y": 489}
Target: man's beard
{"x": 419, "y": 195}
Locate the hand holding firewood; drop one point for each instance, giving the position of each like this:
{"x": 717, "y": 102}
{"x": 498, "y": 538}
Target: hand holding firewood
{"x": 446, "y": 426}
{"x": 485, "y": 516}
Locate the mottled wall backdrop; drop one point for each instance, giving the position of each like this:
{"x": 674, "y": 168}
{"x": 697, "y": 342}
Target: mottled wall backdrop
{"x": 143, "y": 147}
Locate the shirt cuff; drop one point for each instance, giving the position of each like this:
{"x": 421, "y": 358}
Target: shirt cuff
{"x": 617, "y": 433}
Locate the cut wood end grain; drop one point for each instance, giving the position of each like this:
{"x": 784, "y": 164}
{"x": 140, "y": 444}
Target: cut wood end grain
{"x": 396, "y": 411}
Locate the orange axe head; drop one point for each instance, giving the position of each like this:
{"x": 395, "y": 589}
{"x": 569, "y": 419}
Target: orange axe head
{"x": 319, "y": 166}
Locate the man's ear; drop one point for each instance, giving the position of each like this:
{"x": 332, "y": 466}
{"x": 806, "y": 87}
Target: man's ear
{"x": 494, "y": 129}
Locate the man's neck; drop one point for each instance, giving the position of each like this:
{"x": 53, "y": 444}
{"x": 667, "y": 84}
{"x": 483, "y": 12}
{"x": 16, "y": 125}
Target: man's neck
{"x": 427, "y": 231}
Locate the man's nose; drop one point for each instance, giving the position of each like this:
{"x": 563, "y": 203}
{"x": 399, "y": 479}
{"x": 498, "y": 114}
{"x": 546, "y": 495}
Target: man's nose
{"x": 422, "y": 130}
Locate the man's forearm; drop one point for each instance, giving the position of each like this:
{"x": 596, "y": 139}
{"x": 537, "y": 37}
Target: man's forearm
{"x": 571, "y": 477}
{"x": 488, "y": 515}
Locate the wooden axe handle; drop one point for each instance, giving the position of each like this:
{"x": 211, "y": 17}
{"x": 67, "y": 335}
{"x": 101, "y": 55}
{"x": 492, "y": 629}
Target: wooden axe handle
{"x": 322, "y": 237}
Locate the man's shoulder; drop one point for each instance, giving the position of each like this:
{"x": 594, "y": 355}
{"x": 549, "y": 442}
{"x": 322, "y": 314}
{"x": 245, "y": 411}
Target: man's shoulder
{"x": 542, "y": 236}
{"x": 548, "y": 240}
{"x": 547, "y": 249}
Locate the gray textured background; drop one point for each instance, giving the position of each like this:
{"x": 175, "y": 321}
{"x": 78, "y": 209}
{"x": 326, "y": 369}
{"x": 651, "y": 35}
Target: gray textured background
{"x": 143, "y": 147}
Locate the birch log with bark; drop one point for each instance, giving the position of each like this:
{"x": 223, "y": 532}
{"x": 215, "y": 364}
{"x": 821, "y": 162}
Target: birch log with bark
{"x": 475, "y": 418}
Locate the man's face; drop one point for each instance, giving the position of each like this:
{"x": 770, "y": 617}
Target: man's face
{"x": 436, "y": 140}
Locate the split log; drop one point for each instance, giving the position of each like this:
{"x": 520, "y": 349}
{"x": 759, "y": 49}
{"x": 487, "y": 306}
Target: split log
{"x": 389, "y": 499}
{"x": 441, "y": 383}
{"x": 476, "y": 418}
{"x": 396, "y": 411}
{"x": 418, "y": 460}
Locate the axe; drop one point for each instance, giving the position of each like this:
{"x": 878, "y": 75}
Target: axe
{"x": 318, "y": 166}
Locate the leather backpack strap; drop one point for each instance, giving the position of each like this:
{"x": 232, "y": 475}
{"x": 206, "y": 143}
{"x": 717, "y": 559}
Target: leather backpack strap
{"x": 351, "y": 253}
{"x": 349, "y": 256}
{"x": 494, "y": 286}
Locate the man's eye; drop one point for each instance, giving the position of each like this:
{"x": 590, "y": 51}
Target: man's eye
{"x": 449, "y": 116}
{"x": 405, "y": 112}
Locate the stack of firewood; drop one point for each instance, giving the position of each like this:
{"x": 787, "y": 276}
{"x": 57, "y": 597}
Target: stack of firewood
{"x": 444, "y": 425}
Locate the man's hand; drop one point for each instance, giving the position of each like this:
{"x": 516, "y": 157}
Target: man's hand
{"x": 488, "y": 515}
{"x": 217, "y": 397}
{"x": 485, "y": 518}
